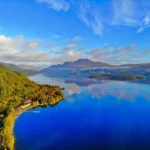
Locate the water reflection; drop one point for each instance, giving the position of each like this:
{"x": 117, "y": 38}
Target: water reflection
{"x": 121, "y": 90}
{"x": 69, "y": 87}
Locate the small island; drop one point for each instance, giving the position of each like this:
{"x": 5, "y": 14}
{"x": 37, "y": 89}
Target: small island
{"x": 18, "y": 94}
{"x": 119, "y": 76}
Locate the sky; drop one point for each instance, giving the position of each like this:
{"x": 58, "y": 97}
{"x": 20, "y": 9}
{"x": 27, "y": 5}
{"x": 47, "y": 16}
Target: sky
{"x": 40, "y": 33}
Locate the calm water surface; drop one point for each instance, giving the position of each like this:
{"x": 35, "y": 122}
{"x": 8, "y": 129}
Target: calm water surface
{"x": 109, "y": 115}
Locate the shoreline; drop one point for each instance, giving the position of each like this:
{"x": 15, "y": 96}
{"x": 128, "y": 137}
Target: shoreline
{"x": 17, "y": 115}
{"x": 18, "y": 94}
{"x": 10, "y": 131}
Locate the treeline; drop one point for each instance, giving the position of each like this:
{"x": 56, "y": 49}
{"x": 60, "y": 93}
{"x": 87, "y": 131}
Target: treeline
{"x": 47, "y": 94}
{"x": 14, "y": 85}
{"x": 122, "y": 76}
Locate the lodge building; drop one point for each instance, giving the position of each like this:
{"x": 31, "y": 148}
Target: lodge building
{"x": 26, "y": 103}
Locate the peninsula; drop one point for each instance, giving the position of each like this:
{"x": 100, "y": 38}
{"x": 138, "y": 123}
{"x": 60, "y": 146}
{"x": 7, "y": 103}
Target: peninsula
{"x": 18, "y": 94}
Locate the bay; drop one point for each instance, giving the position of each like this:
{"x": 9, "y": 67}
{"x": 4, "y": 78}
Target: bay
{"x": 105, "y": 115}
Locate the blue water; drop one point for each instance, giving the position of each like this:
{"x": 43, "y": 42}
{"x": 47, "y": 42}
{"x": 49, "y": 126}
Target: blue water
{"x": 110, "y": 115}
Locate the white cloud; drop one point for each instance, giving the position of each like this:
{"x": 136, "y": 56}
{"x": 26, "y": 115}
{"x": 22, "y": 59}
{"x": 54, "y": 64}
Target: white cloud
{"x": 77, "y": 39}
{"x": 124, "y": 13}
{"x": 122, "y": 55}
{"x": 69, "y": 55}
{"x": 69, "y": 47}
{"x": 131, "y": 13}
{"x": 66, "y": 49}
{"x": 145, "y": 24}
{"x": 21, "y": 51}
{"x": 30, "y": 45}
{"x": 146, "y": 20}
{"x": 121, "y": 12}
{"x": 91, "y": 18}
{"x": 73, "y": 40}
{"x": 141, "y": 29}
{"x": 58, "y": 5}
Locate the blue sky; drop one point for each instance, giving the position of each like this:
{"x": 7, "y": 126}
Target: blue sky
{"x": 45, "y": 32}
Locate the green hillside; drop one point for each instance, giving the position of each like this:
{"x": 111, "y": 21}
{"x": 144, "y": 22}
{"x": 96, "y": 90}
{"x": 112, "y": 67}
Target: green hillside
{"x": 13, "y": 67}
{"x": 15, "y": 89}
{"x": 13, "y": 85}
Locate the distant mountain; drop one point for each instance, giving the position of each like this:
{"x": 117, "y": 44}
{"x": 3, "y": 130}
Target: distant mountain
{"x": 82, "y": 64}
{"x": 86, "y": 67}
{"x": 18, "y": 69}
{"x": 78, "y": 64}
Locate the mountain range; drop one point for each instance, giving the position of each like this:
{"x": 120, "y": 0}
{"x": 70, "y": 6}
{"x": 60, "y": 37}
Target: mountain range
{"x": 83, "y": 65}
{"x": 87, "y": 64}
{"x": 86, "y": 67}
{"x": 68, "y": 67}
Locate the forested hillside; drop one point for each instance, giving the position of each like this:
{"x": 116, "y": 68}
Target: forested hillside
{"x": 15, "y": 90}
{"x": 13, "y": 67}
{"x": 13, "y": 85}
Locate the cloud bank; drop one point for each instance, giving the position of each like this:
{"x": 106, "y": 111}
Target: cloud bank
{"x": 31, "y": 52}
